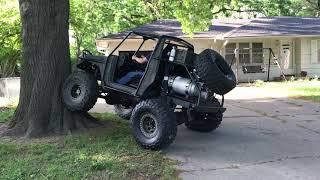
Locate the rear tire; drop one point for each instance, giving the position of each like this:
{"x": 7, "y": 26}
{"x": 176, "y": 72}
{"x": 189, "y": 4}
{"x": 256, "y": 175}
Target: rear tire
{"x": 204, "y": 122}
{"x": 122, "y": 111}
{"x": 154, "y": 125}
{"x": 80, "y": 91}
{"x": 215, "y": 72}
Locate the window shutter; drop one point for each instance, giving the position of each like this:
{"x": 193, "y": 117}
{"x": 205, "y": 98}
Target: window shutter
{"x": 314, "y": 51}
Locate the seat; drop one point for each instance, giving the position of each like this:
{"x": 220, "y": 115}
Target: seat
{"x": 122, "y": 58}
{"x": 134, "y": 83}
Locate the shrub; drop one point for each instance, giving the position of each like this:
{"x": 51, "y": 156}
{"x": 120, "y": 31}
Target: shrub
{"x": 10, "y": 38}
{"x": 259, "y": 83}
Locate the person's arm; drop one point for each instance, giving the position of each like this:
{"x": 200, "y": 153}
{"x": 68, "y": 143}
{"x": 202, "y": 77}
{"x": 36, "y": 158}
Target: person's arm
{"x": 141, "y": 60}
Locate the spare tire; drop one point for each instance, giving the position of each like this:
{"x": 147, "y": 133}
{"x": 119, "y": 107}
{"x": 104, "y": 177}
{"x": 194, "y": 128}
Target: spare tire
{"x": 215, "y": 72}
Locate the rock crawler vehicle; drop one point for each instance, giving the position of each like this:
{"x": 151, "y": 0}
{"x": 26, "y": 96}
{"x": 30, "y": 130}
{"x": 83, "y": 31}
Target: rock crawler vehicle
{"x": 178, "y": 87}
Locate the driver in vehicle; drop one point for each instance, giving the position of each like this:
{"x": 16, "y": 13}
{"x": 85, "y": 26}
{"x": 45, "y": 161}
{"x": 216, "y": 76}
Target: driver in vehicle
{"x": 133, "y": 74}
{"x": 142, "y": 60}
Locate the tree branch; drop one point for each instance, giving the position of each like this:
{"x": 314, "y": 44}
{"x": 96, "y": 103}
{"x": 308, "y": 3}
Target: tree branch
{"x": 234, "y": 10}
{"x": 152, "y": 9}
{"x": 128, "y": 19}
{"x": 314, "y": 5}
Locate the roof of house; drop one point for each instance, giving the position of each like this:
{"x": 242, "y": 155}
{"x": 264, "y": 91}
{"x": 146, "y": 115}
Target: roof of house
{"x": 235, "y": 28}
{"x": 278, "y": 26}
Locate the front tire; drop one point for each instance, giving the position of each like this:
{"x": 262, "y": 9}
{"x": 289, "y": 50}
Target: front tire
{"x": 154, "y": 125}
{"x": 80, "y": 91}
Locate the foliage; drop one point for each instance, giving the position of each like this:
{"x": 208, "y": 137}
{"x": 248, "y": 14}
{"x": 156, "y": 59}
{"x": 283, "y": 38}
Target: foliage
{"x": 93, "y": 19}
{"x": 195, "y": 15}
{"x": 258, "y": 8}
{"x": 259, "y": 83}
{"x": 309, "y": 7}
{"x": 286, "y": 7}
{"x": 272, "y": 7}
{"x": 106, "y": 153}
{"x": 10, "y": 41}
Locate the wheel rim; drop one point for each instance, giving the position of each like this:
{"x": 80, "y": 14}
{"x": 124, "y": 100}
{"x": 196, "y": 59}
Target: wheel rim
{"x": 75, "y": 91}
{"x": 148, "y": 125}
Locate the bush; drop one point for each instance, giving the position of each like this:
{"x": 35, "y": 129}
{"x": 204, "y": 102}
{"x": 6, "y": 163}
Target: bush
{"x": 10, "y": 38}
{"x": 259, "y": 83}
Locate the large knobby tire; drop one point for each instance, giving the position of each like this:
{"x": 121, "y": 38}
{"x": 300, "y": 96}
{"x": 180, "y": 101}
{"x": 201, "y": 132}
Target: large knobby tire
{"x": 204, "y": 122}
{"x": 153, "y": 123}
{"x": 80, "y": 91}
{"x": 215, "y": 72}
{"x": 123, "y": 111}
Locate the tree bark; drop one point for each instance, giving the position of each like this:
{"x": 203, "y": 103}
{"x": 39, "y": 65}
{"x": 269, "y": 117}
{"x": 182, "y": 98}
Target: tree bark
{"x": 45, "y": 65}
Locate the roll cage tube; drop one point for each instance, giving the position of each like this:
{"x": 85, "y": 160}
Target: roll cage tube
{"x": 181, "y": 41}
{"x": 154, "y": 37}
{"x": 144, "y": 40}
{"x": 120, "y": 43}
{"x": 144, "y": 35}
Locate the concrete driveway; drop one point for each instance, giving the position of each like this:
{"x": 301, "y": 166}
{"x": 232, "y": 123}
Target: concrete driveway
{"x": 263, "y": 136}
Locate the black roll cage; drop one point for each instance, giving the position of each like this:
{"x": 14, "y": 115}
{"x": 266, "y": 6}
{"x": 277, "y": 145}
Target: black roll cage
{"x": 147, "y": 36}
{"x": 157, "y": 51}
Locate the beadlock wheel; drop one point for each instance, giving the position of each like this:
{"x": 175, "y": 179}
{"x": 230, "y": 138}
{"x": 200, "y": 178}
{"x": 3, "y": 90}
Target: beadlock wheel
{"x": 148, "y": 125}
{"x": 79, "y": 91}
{"x": 153, "y": 124}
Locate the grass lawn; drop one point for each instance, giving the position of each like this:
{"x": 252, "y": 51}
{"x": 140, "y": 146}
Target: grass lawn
{"x": 301, "y": 89}
{"x": 6, "y": 112}
{"x": 98, "y": 154}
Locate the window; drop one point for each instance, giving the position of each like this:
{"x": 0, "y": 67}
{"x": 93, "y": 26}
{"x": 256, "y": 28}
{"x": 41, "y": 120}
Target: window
{"x": 249, "y": 53}
{"x": 315, "y": 51}
{"x": 257, "y": 53}
{"x": 229, "y": 52}
{"x": 244, "y": 53}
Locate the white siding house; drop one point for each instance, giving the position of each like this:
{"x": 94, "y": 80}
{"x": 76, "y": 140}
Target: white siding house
{"x": 295, "y": 42}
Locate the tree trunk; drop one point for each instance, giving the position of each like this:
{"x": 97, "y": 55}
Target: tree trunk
{"x": 45, "y": 65}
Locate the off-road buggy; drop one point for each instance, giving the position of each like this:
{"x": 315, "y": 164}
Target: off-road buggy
{"x": 178, "y": 86}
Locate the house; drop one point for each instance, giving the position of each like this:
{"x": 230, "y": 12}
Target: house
{"x": 294, "y": 42}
